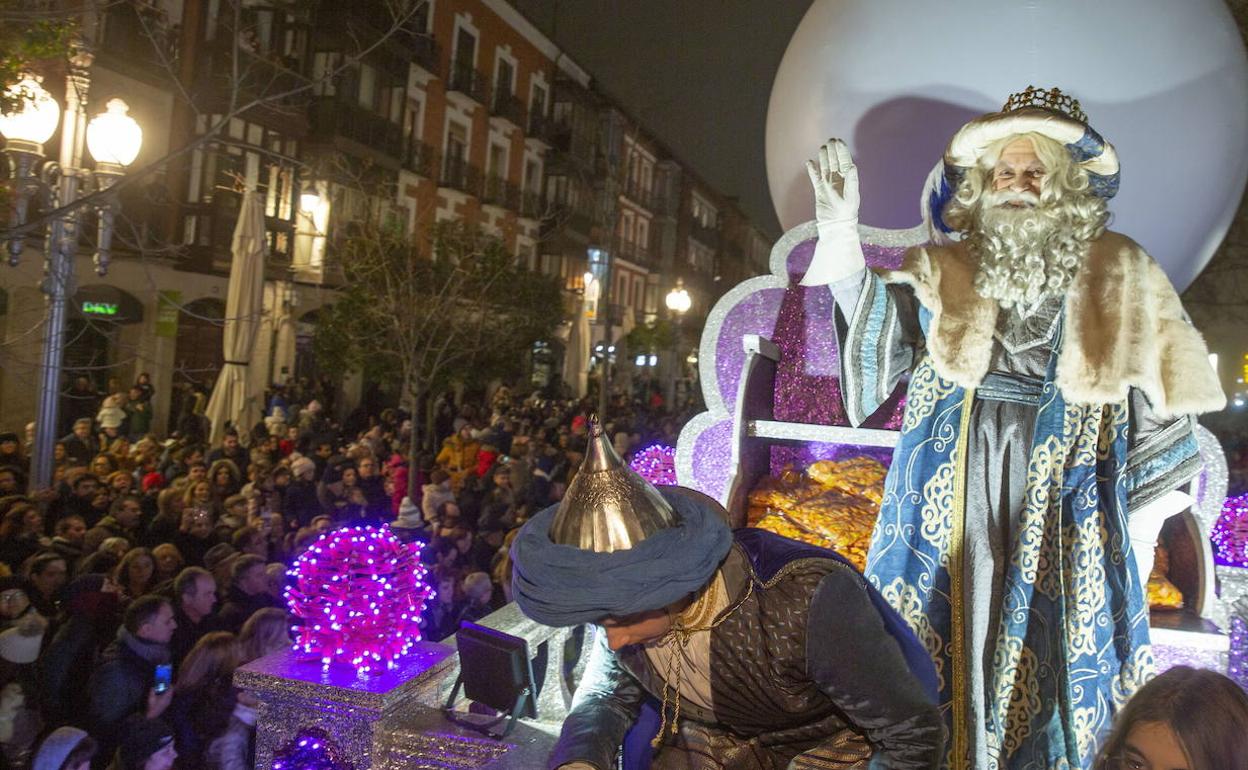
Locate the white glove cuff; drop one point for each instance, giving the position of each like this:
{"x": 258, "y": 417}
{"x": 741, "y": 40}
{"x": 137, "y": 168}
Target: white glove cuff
{"x": 838, "y": 254}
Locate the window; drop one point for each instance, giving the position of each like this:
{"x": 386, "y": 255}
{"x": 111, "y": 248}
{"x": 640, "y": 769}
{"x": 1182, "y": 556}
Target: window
{"x": 368, "y": 87}
{"x": 532, "y": 176}
{"x": 324, "y": 65}
{"x": 497, "y": 161}
{"x": 537, "y": 105}
{"x": 465, "y": 49}
{"x": 505, "y": 78}
{"x": 456, "y": 141}
{"x": 412, "y": 120}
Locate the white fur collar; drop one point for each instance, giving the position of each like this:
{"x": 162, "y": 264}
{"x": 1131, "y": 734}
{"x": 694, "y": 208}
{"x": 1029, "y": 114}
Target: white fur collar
{"x": 1124, "y": 327}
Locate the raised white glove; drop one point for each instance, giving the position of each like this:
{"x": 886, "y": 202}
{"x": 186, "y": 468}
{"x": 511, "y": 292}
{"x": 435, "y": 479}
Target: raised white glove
{"x": 838, "y": 253}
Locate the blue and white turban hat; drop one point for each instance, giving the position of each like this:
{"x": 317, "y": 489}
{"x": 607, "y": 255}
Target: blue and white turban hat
{"x": 1048, "y": 113}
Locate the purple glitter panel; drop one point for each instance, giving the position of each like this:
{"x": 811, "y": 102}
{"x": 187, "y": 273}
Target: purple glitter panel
{"x": 713, "y": 458}
{"x": 800, "y": 321}
{"x": 756, "y": 314}
{"x": 1230, "y": 533}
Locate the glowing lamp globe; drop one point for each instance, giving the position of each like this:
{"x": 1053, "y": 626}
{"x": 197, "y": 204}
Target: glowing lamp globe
{"x": 36, "y": 118}
{"x": 1166, "y": 83}
{"x": 359, "y": 592}
{"x": 113, "y": 136}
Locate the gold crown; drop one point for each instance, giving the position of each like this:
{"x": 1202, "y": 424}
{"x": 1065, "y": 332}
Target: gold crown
{"x": 1052, "y": 99}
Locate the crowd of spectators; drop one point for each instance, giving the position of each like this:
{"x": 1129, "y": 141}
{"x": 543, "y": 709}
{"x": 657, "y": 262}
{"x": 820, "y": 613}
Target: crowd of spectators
{"x": 152, "y": 551}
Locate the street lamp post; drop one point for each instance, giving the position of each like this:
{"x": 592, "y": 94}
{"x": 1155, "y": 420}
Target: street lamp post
{"x": 114, "y": 139}
{"x": 678, "y": 302}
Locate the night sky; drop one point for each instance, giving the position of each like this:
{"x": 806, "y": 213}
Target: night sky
{"x": 696, "y": 73}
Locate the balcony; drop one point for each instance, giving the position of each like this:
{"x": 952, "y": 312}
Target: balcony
{"x": 530, "y": 205}
{"x": 421, "y": 158}
{"x": 507, "y": 107}
{"x": 707, "y": 236}
{"x": 565, "y": 218}
{"x": 469, "y": 81}
{"x": 542, "y": 129}
{"x": 635, "y": 253}
{"x": 642, "y": 196}
{"x": 457, "y": 174}
{"x": 333, "y": 118}
{"x": 137, "y": 35}
{"x": 427, "y": 54}
{"x": 499, "y": 192}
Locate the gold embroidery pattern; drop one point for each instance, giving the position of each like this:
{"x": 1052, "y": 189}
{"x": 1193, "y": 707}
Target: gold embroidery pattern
{"x": 905, "y": 599}
{"x": 1133, "y": 675}
{"x": 1016, "y": 690}
{"x": 1041, "y": 504}
{"x": 925, "y": 392}
{"x": 1085, "y": 576}
{"x": 937, "y": 510}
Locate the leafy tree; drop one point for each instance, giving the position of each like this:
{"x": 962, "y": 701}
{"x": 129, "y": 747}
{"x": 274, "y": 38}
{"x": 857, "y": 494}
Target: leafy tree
{"x": 29, "y": 32}
{"x": 459, "y": 310}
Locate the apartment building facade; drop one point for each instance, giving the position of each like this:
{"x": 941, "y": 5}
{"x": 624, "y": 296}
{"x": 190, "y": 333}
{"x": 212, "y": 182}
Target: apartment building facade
{"x": 453, "y": 109}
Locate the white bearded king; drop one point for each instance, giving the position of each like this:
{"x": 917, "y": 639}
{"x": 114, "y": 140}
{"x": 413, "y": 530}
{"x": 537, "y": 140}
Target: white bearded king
{"x": 1052, "y": 379}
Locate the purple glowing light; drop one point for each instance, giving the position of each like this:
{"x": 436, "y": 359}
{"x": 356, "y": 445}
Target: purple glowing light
{"x": 1230, "y": 533}
{"x": 356, "y": 621}
{"x": 656, "y": 464}
{"x": 321, "y": 754}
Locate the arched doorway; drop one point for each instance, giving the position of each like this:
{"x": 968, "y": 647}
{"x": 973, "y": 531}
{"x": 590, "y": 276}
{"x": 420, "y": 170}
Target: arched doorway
{"x": 198, "y": 355}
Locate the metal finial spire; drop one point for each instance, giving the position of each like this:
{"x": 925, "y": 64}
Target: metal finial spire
{"x": 608, "y": 507}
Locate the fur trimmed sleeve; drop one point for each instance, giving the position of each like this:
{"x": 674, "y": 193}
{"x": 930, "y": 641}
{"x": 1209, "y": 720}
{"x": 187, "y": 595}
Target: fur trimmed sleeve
{"x": 1182, "y": 381}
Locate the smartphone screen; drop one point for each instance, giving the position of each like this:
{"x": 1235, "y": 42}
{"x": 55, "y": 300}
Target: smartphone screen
{"x": 164, "y": 677}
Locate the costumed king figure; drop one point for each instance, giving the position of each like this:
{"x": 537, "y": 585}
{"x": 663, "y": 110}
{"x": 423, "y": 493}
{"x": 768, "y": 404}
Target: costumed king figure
{"x": 1048, "y": 426}
{"x": 764, "y": 653}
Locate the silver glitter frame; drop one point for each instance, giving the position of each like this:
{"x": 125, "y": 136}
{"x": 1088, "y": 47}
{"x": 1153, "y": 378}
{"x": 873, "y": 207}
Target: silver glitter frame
{"x": 708, "y": 365}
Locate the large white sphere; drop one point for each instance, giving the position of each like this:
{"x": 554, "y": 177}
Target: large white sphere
{"x": 1166, "y": 82}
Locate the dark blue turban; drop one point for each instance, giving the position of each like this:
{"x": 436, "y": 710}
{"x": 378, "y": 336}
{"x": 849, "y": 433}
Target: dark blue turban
{"x": 562, "y": 585}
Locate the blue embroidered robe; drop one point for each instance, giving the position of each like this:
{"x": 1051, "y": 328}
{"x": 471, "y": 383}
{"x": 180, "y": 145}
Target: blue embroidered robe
{"x": 1067, "y": 641}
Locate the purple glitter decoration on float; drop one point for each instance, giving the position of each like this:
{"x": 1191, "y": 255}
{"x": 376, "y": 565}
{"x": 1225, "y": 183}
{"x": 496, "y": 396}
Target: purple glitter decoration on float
{"x": 1230, "y": 533}
{"x": 656, "y": 464}
{"x": 310, "y": 749}
{"x": 1237, "y": 660}
{"x": 800, "y": 321}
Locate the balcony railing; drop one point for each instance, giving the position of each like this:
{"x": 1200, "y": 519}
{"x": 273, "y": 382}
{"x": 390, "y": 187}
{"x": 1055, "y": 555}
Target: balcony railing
{"x": 427, "y": 54}
{"x": 540, "y": 127}
{"x": 564, "y": 217}
{"x": 640, "y": 195}
{"x": 469, "y": 81}
{"x": 457, "y": 174}
{"x": 530, "y": 205}
{"x": 500, "y": 192}
{"x": 509, "y": 108}
{"x": 634, "y": 252}
{"x": 421, "y": 158}
{"x": 331, "y": 117}
{"x": 708, "y": 236}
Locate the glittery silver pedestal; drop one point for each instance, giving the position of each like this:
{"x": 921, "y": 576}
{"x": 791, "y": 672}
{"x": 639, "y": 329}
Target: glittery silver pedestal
{"x": 393, "y": 721}
{"x": 1232, "y": 587}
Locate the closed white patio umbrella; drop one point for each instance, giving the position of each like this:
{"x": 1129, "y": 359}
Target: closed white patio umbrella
{"x": 244, "y": 308}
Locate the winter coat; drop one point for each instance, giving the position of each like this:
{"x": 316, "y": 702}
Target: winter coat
{"x": 239, "y": 606}
{"x": 433, "y": 495}
{"x": 73, "y": 655}
{"x": 302, "y": 502}
{"x": 458, "y": 457}
{"x": 120, "y": 685}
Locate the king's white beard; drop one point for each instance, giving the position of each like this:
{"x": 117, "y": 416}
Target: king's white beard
{"x": 1028, "y": 253}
